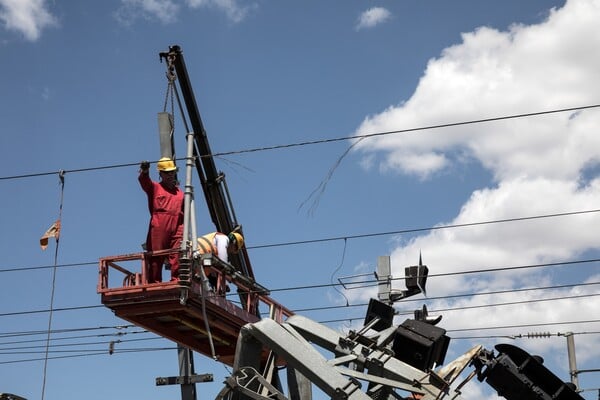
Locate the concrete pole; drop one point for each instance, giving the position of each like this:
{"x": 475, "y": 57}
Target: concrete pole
{"x": 572, "y": 361}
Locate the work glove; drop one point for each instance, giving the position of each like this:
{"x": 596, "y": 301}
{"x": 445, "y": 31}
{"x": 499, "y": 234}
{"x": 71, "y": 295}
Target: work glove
{"x": 144, "y": 166}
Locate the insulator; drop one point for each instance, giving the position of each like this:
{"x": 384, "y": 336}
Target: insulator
{"x": 533, "y": 335}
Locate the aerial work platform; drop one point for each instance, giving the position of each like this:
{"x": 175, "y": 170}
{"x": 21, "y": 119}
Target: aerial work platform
{"x": 202, "y": 319}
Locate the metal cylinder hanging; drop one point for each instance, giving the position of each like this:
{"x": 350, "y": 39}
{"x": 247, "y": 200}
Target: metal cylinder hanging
{"x": 165, "y": 134}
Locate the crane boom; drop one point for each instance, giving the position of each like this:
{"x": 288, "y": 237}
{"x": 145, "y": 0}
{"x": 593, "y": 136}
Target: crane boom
{"x": 213, "y": 182}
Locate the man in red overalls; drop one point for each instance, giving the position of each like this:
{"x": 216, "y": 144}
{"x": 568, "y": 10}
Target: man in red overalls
{"x": 165, "y": 203}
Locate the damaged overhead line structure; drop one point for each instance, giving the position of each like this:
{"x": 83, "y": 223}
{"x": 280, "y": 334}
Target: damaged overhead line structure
{"x": 258, "y": 337}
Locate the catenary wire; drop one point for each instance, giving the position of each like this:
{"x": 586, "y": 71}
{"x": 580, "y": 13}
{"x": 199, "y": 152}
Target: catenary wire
{"x": 485, "y": 327}
{"x": 525, "y": 335}
{"x": 438, "y": 126}
{"x": 323, "y": 141}
{"x": 56, "y": 339}
{"x": 346, "y": 306}
{"x": 455, "y": 296}
{"x": 97, "y": 353}
{"x": 125, "y": 351}
{"x": 13, "y": 350}
{"x": 431, "y": 228}
{"x": 67, "y": 330}
{"x": 374, "y": 282}
{"x": 462, "y": 308}
{"x": 49, "y": 266}
{"x": 369, "y": 283}
{"x": 334, "y": 238}
{"x": 7, "y": 350}
{"x": 120, "y": 334}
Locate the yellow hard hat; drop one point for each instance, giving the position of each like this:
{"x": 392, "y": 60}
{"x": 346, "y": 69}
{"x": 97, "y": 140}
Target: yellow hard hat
{"x": 165, "y": 164}
{"x": 237, "y": 238}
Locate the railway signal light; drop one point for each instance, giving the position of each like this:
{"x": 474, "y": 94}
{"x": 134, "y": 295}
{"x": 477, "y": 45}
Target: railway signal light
{"x": 518, "y": 375}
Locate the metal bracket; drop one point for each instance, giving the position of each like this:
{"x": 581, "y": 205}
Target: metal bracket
{"x": 183, "y": 380}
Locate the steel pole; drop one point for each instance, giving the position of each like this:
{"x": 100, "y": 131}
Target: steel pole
{"x": 186, "y": 369}
{"x": 188, "y": 193}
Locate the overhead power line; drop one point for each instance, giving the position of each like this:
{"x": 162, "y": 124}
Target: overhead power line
{"x": 365, "y": 283}
{"x": 48, "y": 310}
{"x": 484, "y": 327}
{"x": 323, "y": 141}
{"x": 431, "y": 228}
{"x": 122, "y": 329}
{"x": 357, "y": 305}
{"x": 334, "y": 238}
{"x": 454, "y": 296}
{"x": 13, "y": 349}
{"x": 13, "y": 269}
{"x": 591, "y": 321}
{"x": 463, "y": 308}
{"x": 94, "y": 353}
{"x": 67, "y": 338}
{"x": 373, "y": 282}
{"x": 69, "y": 330}
{"x": 523, "y": 335}
{"x": 428, "y": 127}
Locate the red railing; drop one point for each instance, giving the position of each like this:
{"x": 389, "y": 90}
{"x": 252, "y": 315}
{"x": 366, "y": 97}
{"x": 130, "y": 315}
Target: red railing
{"x": 134, "y": 278}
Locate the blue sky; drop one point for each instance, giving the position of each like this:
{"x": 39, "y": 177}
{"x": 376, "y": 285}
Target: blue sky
{"x": 82, "y": 84}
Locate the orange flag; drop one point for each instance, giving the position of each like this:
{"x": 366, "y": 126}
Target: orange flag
{"x": 53, "y": 231}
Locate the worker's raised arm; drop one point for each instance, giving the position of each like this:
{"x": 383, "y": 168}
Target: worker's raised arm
{"x": 144, "y": 177}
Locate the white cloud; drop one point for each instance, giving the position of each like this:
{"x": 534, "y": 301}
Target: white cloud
{"x": 372, "y": 17}
{"x": 28, "y": 17}
{"x": 166, "y": 11}
{"x": 163, "y": 10}
{"x": 539, "y": 166}
{"x": 232, "y": 8}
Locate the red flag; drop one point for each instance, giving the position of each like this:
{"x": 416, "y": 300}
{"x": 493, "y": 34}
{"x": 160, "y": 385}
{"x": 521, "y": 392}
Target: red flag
{"x": 53, "y": 231}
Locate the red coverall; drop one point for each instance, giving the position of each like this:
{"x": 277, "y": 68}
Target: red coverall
{"x": 166, "y": 225}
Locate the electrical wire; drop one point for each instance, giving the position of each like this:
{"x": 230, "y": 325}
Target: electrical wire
{"x": 323, "y": 141}
{"x": 366, "y": 283}
{"x": 48, "y": 310}
{"x": 481, "y": 328}
{"x": 430, "y": 228}
{"x": 523, "y": 335}
{"x": 335, "y": 238}
{"x": 346, "y": 237}
{"x": 429, "y": 127}
{"x": 463, "y": 308}
{"x": 8, "y": 350}
{"x": 374, "y": 282}
{"x": 15, "y": 350}
{"x": 81, "y": 264}
{"x": 96, "y": 353}
{"x": 298, "y": 310}
{"x": 56, "y": 339}
{"x": 67, "y": 330}
{"x": 511, "y": 303}
{"x": 525, "y": 325}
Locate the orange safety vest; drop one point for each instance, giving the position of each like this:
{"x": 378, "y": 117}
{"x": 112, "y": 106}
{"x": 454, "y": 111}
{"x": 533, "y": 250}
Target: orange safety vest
{"x": 206, "y": 244}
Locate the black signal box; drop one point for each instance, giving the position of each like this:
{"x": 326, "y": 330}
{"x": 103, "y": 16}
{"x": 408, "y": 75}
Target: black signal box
{"x": 420, "y": 344}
